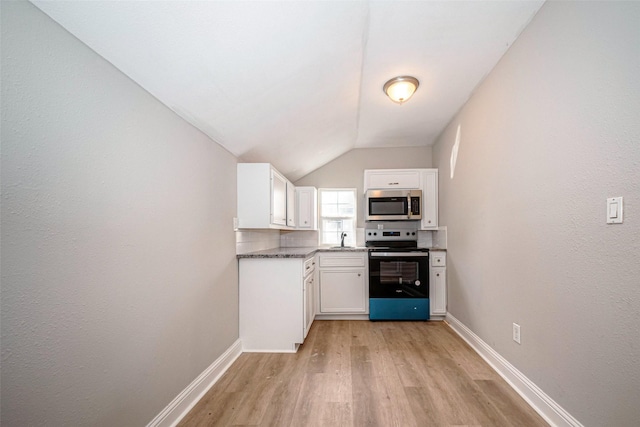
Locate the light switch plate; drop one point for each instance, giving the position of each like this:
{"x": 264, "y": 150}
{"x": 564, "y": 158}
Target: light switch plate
{"x": 614, "y": 210}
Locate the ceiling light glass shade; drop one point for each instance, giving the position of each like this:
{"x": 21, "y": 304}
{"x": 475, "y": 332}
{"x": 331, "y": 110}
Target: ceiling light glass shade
{"x": 400, "y": 89}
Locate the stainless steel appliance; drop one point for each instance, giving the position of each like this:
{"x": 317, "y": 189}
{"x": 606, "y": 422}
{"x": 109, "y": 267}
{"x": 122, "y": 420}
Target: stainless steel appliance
{"x": 398, "y": 275}
{"x": 393, "y": 205}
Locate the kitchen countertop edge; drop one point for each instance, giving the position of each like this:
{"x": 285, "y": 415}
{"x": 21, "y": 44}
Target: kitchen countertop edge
{"x": 304, "y": 252}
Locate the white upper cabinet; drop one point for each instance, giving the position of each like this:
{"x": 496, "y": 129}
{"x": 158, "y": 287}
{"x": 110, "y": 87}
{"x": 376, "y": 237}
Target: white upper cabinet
{"x": 306, "y": 208}
{"x": 266, "y": 199}
{"x": 429, "y": 186}
{"x": 291, "y": 205}
{"x": 279, "y": 194}
{"x": 421, "y": 179}
{"x": 391, "y": 178}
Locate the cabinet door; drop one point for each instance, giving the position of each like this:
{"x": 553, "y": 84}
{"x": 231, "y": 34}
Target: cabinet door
{"x": 438, "y": 291}
{"x": 343, "y": 291}
{"x": 306, "y": 213}
{"x": 309, "y": 303}
{"x": 278, "y": 199}
{"x": 254, "y": 195}
{"x": 291, "y": 205}
{"x": 390, "y": 178}
{"x": 429, "y": 199}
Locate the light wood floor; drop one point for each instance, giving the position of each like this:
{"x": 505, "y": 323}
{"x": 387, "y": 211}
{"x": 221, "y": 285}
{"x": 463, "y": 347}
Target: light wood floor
{"x": 361, "y": 373}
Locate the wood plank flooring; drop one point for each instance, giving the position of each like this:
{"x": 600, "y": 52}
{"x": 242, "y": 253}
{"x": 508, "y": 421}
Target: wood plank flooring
{"x": 361, "y": 373}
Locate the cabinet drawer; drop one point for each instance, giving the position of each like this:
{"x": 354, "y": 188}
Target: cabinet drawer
{"x": 330, "y": 260}
{"x": 309, "y": 266}
{"x": 438, "y": 259}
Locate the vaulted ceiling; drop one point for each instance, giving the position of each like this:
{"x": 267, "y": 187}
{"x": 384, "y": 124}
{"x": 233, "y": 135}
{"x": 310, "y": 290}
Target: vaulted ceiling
{"x": 298, "y": 83}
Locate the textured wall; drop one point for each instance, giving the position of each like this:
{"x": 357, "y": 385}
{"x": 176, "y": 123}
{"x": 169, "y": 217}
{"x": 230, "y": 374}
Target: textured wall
{"x": 551, "y": 133}
{"x": 119, "y": 277}
{"x": 348, "y": 169}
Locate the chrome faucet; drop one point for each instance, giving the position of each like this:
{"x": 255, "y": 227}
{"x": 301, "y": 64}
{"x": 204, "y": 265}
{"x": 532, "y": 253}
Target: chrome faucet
{"x": 342, "y": 236}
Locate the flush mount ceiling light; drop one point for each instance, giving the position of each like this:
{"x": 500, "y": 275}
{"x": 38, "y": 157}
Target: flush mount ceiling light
{"x": 400, "y": 89}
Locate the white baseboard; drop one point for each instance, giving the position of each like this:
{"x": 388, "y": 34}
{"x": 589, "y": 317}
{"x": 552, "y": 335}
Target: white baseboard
{"x": 186, "y": 400}
{"x": 544, "y": 405}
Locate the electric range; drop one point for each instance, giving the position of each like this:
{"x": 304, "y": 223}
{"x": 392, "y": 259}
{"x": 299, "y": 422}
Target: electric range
{"x": 398, "y": 275}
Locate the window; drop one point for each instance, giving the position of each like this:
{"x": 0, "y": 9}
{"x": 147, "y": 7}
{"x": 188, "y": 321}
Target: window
{"x": 337, "y": 215}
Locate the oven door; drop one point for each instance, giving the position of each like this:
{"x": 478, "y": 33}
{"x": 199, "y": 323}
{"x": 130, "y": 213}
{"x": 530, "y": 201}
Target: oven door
{"x": 398, "y": 274}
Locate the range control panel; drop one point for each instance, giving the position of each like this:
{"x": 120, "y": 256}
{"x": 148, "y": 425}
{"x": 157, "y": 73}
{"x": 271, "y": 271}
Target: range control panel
{"x": 390, "y": 235}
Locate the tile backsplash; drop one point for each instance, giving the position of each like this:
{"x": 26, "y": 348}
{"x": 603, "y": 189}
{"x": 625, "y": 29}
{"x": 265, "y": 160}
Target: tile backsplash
{"x": 256, "y": 240}
{"x": 440, "y": 238}
{"x": 298, "y": 239}
{"x": 436, "y": 239}
{"x": 259, "y": 240}
{"x": 425, "y": 238}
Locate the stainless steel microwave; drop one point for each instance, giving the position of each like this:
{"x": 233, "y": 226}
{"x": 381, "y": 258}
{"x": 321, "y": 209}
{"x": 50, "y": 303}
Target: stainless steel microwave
{"x": 393, "y": 205}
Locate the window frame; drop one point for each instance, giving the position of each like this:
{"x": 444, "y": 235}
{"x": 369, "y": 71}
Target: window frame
{"x": 350, "y": 239}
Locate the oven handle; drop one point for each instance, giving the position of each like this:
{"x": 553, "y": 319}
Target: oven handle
{"x": 399, "y": 254}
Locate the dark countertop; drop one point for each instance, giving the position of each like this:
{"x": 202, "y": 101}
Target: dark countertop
{"x": 281, "y": 253}
{"x": 345, "y": 249}
{"x": 304, "y": 252}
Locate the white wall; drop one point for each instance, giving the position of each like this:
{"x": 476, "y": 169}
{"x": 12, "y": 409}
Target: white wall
{"x": 119, "y": 277}
{"x": 551, "y": 133}
{"x": 348, "y": 170}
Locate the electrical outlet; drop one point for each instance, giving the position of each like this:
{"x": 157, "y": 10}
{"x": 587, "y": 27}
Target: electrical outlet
{"x": 516, "y": 333}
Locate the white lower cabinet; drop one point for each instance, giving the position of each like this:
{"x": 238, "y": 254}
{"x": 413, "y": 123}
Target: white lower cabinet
{"x": 438, "y": 283}
{"x": 342, "y": 292}
{"x": 281, "y": 297}
{"x": 343, "y": 283}
{"x": 309, "y": 294}
{"x": 275, "y": 295}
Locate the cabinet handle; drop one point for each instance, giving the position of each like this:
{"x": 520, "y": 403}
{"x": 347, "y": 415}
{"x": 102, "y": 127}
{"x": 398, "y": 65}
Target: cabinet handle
{"x": 392, "y": 183}
{"x": 438, "y": 274}
{"x": 359, "y": 275}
